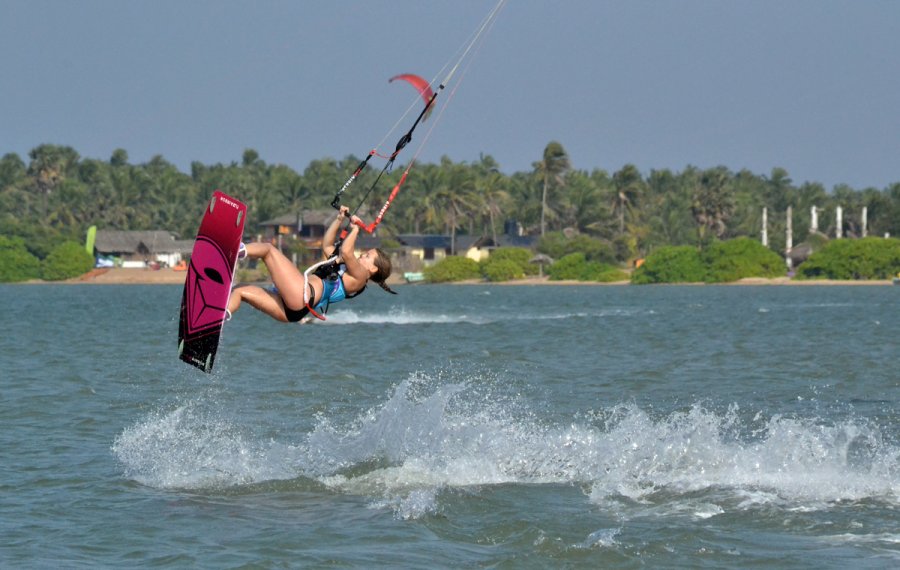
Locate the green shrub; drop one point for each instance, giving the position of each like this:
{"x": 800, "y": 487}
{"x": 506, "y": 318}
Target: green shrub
{"x": 721, "y": 262}
{"x": 867, "y": 258}
{"x": 557, "y": 246}
{"x": 671, "y": 264}
{"x": 67, "y": 260}
{"x": 518, "y": 255}
{"x": 553, "y": 244}
{"x": 624, "y": 247}
{"x": 502, "y": 270}
{"x": 607, "y": 274}
{"x": 513, "y": 262}
{"x": 739, "y": 258}
{"x": 453, "y": 268}
{"x": 568, "y": 267}
{"x": 575, "y": 266}
{"x": 39, "y": 239}
{"x": 16, "y": 263}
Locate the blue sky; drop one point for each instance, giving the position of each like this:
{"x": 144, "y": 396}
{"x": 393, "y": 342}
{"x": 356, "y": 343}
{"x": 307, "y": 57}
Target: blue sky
{"x": 812, "y": 86}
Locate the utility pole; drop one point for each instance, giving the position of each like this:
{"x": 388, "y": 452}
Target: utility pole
{"x": 789, "y": 238}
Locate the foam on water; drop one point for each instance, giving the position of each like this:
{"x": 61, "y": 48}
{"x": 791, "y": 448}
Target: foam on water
{"x": 603, "y": 538}
{"x": 432, "y": 434}
{"x": 191, "y": 448}
{"x": 401, "y": 316}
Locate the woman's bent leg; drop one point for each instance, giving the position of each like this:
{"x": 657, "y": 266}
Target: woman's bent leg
{"x": 285, "y": 275}
{"x": 258, "y": 298}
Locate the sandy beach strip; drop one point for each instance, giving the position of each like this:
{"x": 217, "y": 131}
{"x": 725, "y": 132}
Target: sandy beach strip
{"x": 119, "y": 276}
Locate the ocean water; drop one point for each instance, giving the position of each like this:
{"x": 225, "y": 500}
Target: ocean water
{"x": 456, "y": 427}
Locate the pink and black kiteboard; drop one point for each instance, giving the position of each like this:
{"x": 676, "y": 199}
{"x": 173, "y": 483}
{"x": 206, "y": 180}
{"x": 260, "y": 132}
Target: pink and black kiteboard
{"x": 208, "y": 283}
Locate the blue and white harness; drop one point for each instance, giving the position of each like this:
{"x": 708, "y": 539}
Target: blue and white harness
{"x": 332, "y": 275}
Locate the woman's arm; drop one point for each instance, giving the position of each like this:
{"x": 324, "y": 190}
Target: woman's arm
{"x": 331, "y": 233}
{"x": 354, "y": 268}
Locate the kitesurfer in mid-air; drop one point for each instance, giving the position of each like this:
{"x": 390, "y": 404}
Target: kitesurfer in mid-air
{"x": 332, "y": 282}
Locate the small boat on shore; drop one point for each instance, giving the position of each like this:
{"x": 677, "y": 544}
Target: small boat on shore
{"x": 414, "y": 276}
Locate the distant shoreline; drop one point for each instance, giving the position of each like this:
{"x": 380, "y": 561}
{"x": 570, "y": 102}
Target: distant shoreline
{"x": 780, "y": 281}
{"x": 119, "y": 276}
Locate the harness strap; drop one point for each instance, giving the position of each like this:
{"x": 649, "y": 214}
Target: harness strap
{"x": 306, "y": 299}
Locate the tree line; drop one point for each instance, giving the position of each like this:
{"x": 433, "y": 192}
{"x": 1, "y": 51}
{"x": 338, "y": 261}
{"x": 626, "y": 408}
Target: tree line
{"x": 57, "y": 194}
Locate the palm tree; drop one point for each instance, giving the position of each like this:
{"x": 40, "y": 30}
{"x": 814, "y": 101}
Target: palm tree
{"x": 713, "y": 202}
{"x": 323, "y": 178}
{"x": 490, "y": 193}
{"x": 50, "y": 164}
{"x": 524, "y": 198}
{"x": 551, "y": 172}
{"x": 666, "y": 206}
{"x": 124, "y": 194}
{"x": 628, "y": 186}
{"x": 583, "y": 206}
{"x": 289, "y": 192}
{"x": 493, "y": 195}
{"x": 418, "y": 205}
{"x": 173, "y": 196}
{"x": 12, "y": 169}
{"x": 15, "y": 202}
{"x": 779, "y": 190}
{"x": 455, "y": 198}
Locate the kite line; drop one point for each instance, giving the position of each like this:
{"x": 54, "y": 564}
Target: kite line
{"x": 429, "y": 96}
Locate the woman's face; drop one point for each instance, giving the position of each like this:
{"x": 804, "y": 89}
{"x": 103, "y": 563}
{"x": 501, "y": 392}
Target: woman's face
{"x": 367, "y": 260}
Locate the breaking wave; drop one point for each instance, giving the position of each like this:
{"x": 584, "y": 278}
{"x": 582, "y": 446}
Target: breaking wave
{"x": 431, "y": 435}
